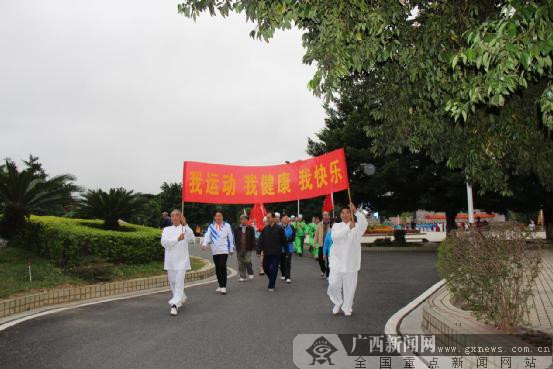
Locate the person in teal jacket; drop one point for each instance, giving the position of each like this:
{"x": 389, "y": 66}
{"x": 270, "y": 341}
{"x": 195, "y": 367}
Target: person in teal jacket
{"x": 326, "y": 250}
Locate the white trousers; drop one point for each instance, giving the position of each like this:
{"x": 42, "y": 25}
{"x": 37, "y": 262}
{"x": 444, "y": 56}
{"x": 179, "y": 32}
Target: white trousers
{"x": 339, "y": 283}
{"x": 176, "y": 282}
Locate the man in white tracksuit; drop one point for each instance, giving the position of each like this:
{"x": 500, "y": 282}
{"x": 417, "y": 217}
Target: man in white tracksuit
{"x": 175, "y": 239}
{"x": 345, "y": 259}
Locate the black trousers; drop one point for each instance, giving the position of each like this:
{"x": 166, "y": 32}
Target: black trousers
{"x": 322, "y": 263}
{"x": 286, "y": 264}
{"x": 270, "y": 266}
{"x": 220, "y": 261}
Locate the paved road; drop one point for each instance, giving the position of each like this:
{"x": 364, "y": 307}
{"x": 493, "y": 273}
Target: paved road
{"x": 247, "y": 328}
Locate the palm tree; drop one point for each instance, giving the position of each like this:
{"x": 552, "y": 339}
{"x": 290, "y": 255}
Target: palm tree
{"x": 112, "y": 205}
{"x": 31, "y": 190}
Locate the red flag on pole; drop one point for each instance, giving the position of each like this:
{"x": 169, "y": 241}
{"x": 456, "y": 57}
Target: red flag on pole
{"x": 328, "y": 204}
{"x": 257, "y": 214}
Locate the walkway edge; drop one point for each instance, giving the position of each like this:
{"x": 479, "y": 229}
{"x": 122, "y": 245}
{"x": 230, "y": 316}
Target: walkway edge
{"x": 394, "y": 321}
{"x": 11, "y": 321}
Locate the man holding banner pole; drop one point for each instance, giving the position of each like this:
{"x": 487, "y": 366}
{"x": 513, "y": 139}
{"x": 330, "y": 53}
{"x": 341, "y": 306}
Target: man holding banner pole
{"x": 345, "y": 259}
{"x": 175, "y": 239}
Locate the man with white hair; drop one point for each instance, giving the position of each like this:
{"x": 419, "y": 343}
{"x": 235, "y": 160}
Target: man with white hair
{"x": 244, "y": 239}
{"x": 277, "y": 218}
{"x": 175, "y": 239}
{"x": 345, "y": 259}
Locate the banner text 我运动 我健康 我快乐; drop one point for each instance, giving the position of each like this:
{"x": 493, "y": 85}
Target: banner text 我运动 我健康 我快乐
{"x": 233, "y": 184}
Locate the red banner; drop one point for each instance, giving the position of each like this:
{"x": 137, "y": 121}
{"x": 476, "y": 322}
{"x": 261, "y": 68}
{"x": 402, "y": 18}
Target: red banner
{"x": 232, "y": 184}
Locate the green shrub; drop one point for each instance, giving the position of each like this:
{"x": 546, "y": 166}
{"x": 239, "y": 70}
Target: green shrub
{"x": 66, "y": 241}
{"x": 491, "y": 272}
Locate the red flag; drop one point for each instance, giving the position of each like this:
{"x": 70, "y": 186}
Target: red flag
{"x": 257, "y": 214}
{"x": 328, "y": 204}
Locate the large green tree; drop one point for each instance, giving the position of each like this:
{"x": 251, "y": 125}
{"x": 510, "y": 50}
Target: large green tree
{"x": 403, "y": 181}
{"x": 466, "y": 82}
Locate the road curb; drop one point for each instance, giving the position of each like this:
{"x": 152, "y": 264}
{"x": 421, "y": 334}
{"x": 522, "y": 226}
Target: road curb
{"x": 391, "y": 327}
{"x": 399, "y": 248}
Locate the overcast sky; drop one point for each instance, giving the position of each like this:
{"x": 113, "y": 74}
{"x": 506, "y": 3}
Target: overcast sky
{"x": 119, "y": 93}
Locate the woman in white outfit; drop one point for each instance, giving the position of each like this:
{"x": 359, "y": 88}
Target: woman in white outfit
{"x": 175, "y": 239}
{"x": 345, "y": 259}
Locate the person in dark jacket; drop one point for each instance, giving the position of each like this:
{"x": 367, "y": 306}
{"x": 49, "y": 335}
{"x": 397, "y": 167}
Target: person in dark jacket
{"x": 244, "y": 239}
{"x": 271, "y": 242}
{"x": 165, "y": 220}
{"x": 288, "y": 251}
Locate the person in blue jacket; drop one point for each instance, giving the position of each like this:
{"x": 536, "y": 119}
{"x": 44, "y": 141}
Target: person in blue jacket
{"x": 326, "y": 250}
{"x": 286, "y": 256}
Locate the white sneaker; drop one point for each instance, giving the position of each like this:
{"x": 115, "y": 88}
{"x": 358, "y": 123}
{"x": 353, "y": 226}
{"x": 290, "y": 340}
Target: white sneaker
{"x": 271, "y": 290}
{"x": 348, "y": 313}
{"x": 282, "y": 278}
{"x": 218, "y": 289}
{"x": 223, "y": 290}
{"x": 250, "y": 276}
{"x": 241, "y": 279}
{"x": 336, "y": 310}
{"x": 323, "y": 275}
{"x": 174, "y": 310}
{"x": 288, "y": 280}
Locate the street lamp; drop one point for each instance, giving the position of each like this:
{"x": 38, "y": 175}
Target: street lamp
{"x": 368, "y": 169}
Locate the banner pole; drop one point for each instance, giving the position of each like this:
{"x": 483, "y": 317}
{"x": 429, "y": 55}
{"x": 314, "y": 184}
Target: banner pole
{"x": 349, "y": 195}
{"x": 182, "y": 195}
{"x": 332, "y": 199}
{"x": 182, "y": 199}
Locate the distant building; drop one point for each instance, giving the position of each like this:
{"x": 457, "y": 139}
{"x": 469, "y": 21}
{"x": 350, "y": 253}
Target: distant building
{"x": 424, "y": 216}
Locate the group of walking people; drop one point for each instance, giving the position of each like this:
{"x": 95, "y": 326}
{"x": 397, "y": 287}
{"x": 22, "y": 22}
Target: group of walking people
{"x": 336, "y": 246}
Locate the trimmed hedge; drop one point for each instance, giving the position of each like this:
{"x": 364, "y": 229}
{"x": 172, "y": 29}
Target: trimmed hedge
{"x": 67, "y": 241}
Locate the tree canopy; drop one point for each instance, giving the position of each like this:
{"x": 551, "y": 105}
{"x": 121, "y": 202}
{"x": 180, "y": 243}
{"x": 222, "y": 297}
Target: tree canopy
{"x": 467, "y": 82}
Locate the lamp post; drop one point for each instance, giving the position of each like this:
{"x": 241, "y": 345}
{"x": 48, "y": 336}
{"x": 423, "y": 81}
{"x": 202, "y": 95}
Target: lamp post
{"x": 470, "y": 203}
{"x": 368, "y": 169}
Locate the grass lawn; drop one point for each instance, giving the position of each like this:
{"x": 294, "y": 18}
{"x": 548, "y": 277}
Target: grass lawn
{"x": 14, "y": 273}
